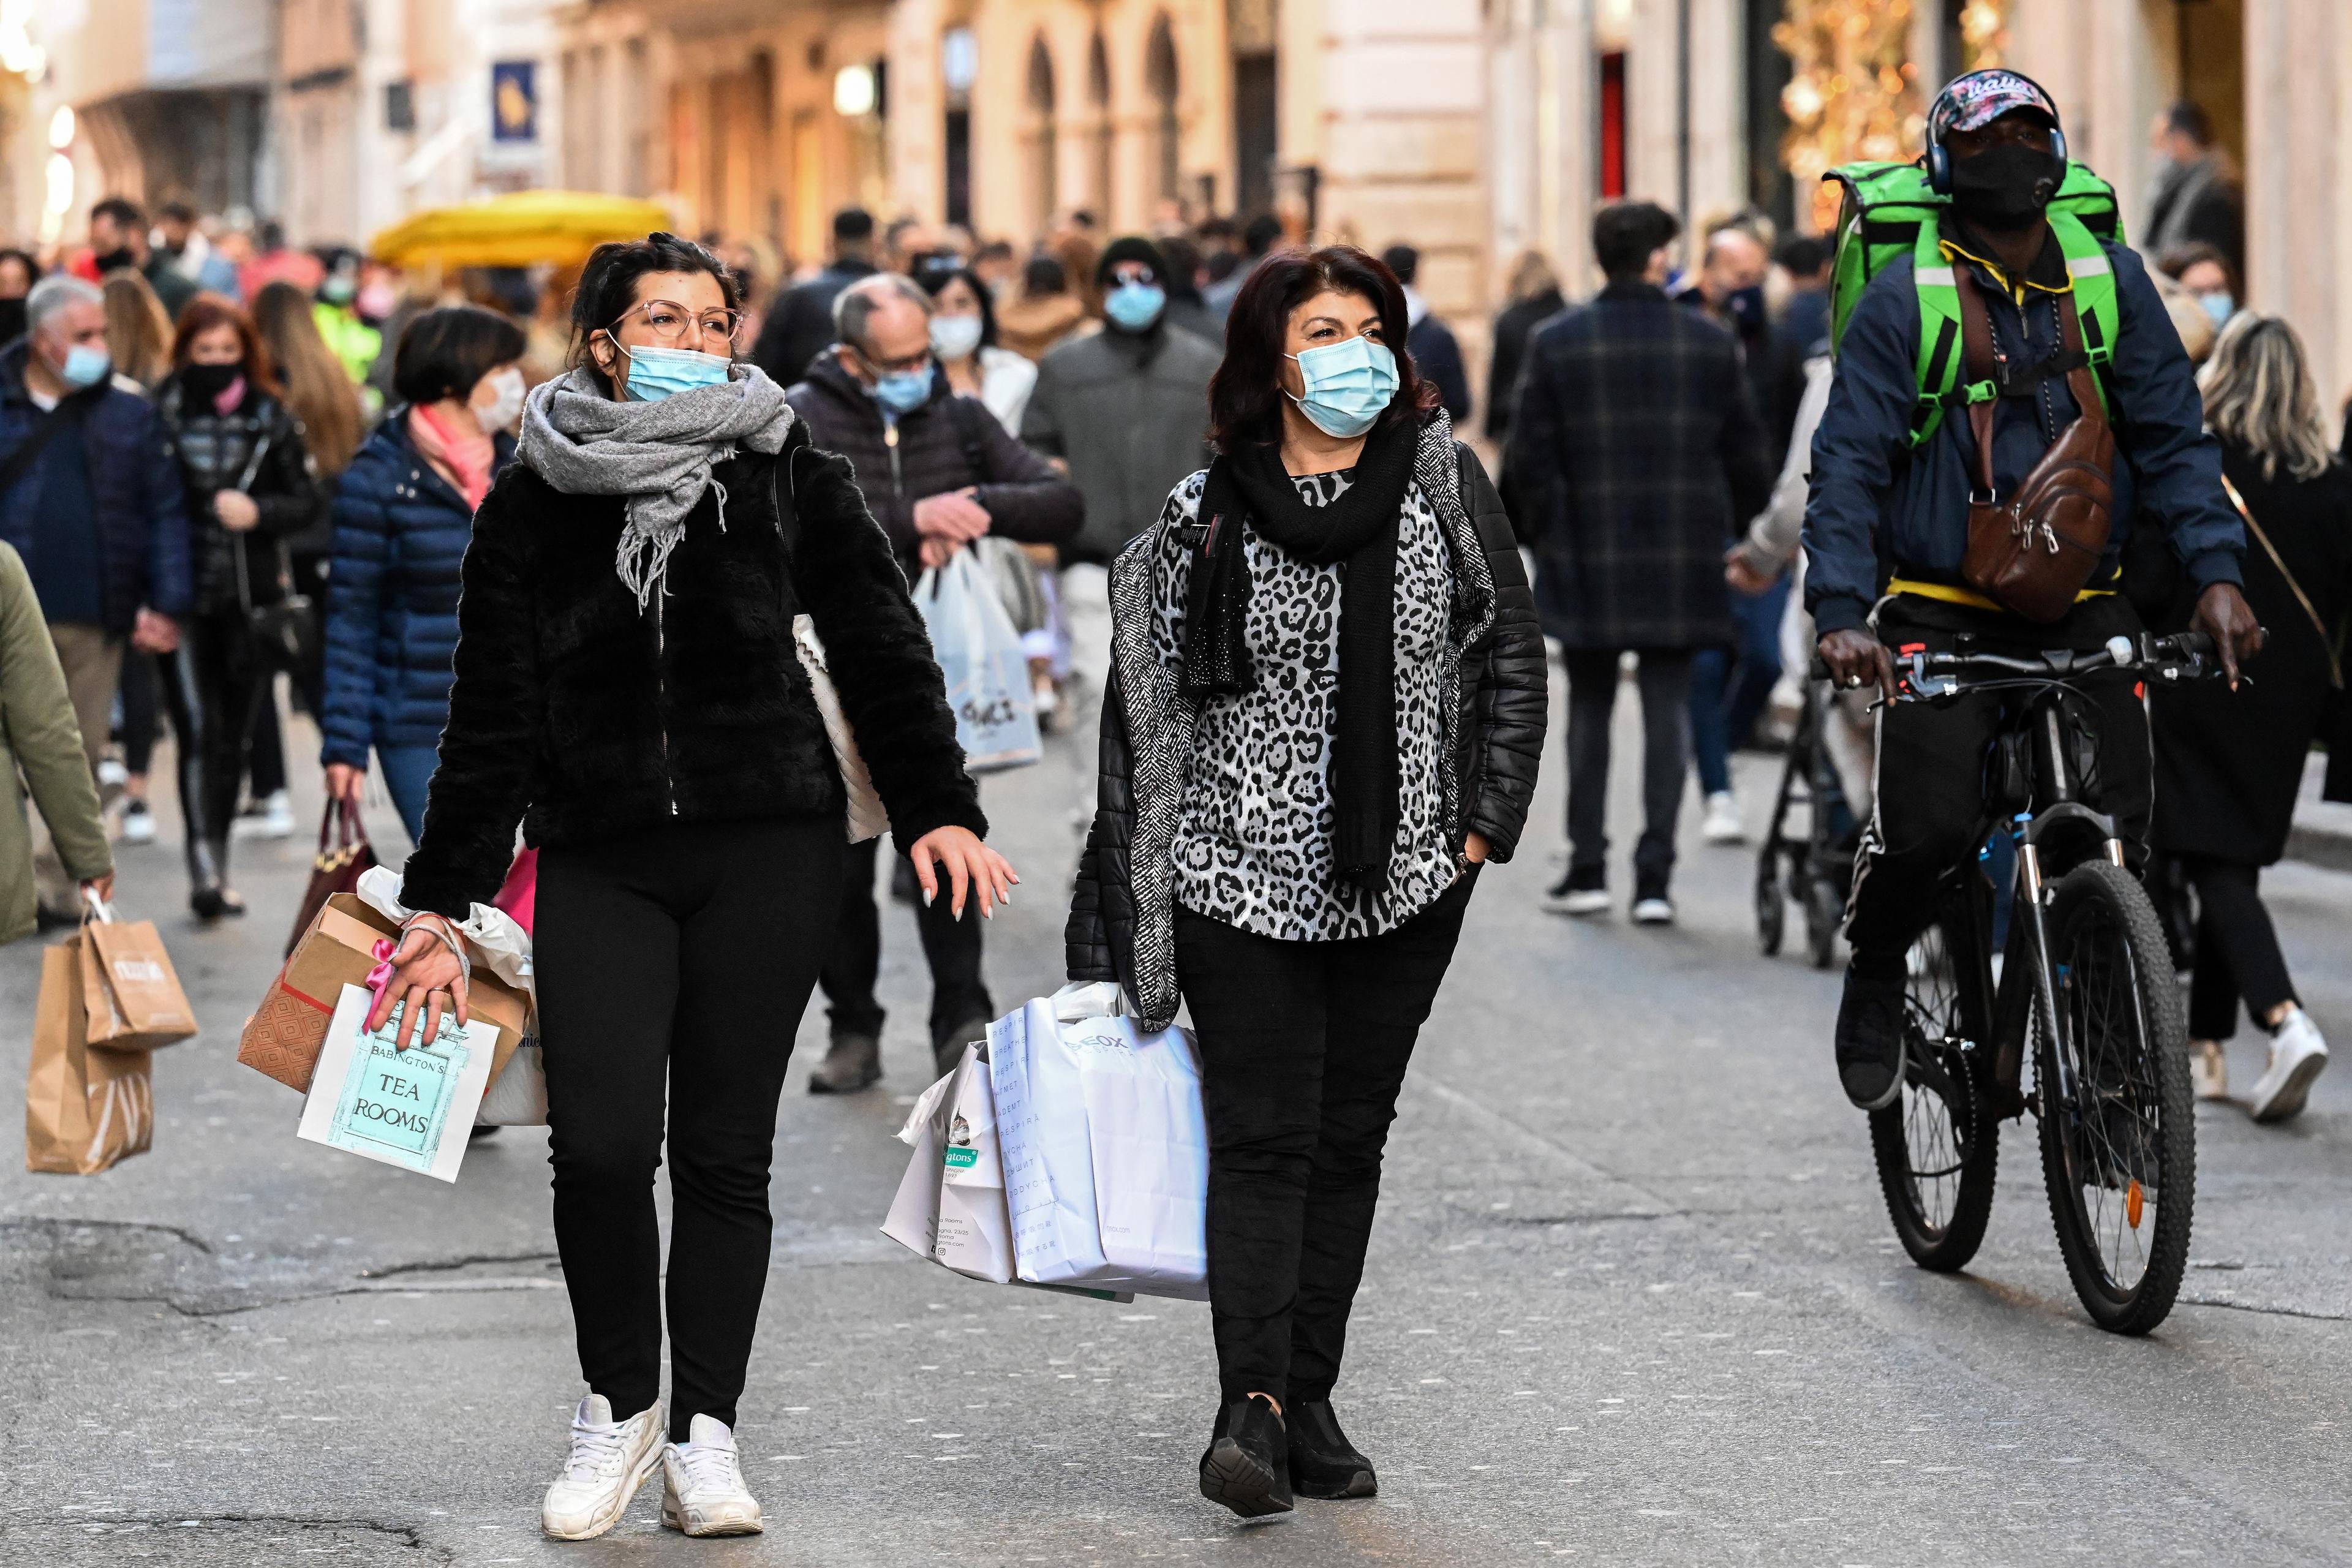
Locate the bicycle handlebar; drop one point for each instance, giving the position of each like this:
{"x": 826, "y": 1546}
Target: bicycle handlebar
{"x": 1922, "y": 674}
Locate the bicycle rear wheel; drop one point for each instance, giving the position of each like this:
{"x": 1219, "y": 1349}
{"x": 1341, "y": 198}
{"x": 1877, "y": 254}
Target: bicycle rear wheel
{"x": 1938, "y": 1146}
{"x": 2120, "y": 1153}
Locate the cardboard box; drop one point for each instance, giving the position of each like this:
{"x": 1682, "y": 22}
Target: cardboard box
{"x": 284, "y": 1036}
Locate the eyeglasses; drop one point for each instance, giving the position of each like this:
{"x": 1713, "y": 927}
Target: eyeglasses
{"x": 672, "y": 325}
{"x": 916, "y": 361}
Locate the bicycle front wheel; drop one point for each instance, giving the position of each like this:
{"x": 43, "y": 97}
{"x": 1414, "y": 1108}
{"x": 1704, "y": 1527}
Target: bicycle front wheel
{"x": 1938, "y": 1146}
{"x": 2118, "y": 1134}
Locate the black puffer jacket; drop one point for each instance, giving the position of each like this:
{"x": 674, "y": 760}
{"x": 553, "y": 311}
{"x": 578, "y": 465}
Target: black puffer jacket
{"x": 1506, "y": 706}
{"x": 946, "y": 445}
{"x": 589, "y": 719}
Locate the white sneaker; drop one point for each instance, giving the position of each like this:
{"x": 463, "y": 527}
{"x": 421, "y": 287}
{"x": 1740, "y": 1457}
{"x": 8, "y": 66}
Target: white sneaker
{"x": 138, "y": 823}
{"x": 609, "y": 1461}
{"x": 702, "y": 1484}
{"x": 273, "y": 819}
{"x": 1723, "y": 823}
{"x": 2298, "y": 1056}
{"x": 1655, "y": 911}
{"x": 2209, "y": 1069}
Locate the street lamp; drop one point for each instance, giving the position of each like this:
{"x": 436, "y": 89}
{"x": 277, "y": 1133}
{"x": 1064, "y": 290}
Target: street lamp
{"x": 852, "y": 91}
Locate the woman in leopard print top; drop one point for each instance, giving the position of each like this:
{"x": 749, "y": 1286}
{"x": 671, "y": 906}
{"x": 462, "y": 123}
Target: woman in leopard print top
{"x": 1326, "y": 712}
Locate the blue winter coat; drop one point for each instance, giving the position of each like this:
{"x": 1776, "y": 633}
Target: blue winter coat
{"x": 401, "y": 534}
{"x": 1878, "y": 509}
{"x": 134, "y": 482}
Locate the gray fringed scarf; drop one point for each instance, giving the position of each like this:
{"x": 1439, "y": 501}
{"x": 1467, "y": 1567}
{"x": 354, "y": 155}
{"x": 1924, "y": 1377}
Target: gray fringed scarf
{"x": 659, "y": 455}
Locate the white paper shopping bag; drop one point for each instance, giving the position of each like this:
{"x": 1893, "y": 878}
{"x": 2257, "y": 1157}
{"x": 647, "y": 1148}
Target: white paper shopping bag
{"x": 414, "y": 1109}
{"x": 1150, "y": 1145}
{"x": 1041, "y": 1132}
{"x": 913, "y": 1221}
{"x": 974, "y": 1235}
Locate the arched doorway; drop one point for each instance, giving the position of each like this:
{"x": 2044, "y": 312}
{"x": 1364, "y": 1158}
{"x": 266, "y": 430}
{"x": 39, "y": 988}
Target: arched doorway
{"x": 1250, "y": 28}
{"x": 1099, "y": 133}
{"x": 1043, "y": 192}
{"x": 1159, "y": 80}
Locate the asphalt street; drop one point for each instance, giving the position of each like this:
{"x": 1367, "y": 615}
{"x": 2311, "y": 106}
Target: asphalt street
{"x": 1633, "y": 1298}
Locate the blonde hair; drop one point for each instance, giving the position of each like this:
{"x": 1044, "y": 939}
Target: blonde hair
{"x": 138, "y": 329}
{"x": 2259, "y": 395}
{"x": 1531, "y": 275}
{"x": 317, "y": 390}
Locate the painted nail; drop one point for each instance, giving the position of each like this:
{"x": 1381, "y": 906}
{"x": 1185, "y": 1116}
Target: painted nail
{"x": 929, "y": 894}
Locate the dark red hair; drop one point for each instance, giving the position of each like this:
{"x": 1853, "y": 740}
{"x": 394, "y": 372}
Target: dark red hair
{"x": 1245, "y": 395}
{"x": 207, "y": 311}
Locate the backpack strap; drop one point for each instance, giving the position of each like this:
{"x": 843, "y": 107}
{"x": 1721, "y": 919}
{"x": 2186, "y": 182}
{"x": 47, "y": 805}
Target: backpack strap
{"x": 2094, "y": 297}
{"x": 1942, "y": 330}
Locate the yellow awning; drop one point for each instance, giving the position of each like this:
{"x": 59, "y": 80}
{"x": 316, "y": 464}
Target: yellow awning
{"x": 518, "y": 230}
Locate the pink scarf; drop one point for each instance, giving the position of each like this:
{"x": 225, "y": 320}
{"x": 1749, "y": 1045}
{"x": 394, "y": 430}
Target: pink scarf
{"x": 463, "y": 460}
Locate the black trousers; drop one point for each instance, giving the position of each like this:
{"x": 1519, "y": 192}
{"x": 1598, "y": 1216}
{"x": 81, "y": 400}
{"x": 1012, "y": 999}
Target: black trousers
{"x": 140, "y": 720}
{"x": 1932, "y": 757}
{"x": 2238, "y": 955}
{"x": 952, "y": 947}
{"x": 1664, "y": 679}
{"x": 1303, "y": 1050}
{"x": 679, "y": 958}
{"x": 212, "y": 683}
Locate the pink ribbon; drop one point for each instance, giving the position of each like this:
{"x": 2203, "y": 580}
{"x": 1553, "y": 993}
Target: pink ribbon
{"x": 381, "y": 975}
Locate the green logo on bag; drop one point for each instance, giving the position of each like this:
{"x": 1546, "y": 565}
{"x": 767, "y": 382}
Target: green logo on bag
{"x": 962, "y": 1159}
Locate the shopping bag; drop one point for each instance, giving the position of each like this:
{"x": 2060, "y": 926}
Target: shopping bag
{"x": 1104, "y": 1145}
{"x": 347, "y": 939}
{"x": 980, "y": 655}
{"x": 949, "y": 1206}
{"x": 412, "y": 1107}
{"x": 130, "y": 990}
{"x": 84, "y": 1110}
{"x": 336, "y": 869}
{"x": 519, "y": 894}
{"x": 498, "y": 938}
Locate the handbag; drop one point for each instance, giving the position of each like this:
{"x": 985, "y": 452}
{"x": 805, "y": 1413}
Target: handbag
{"x": 284, "y": 634}
{"x": 335, "y": 869}
{"x": 2335, "y": 718}
{"x": 867, "y": 817}
{"x": 2033, "y": 553}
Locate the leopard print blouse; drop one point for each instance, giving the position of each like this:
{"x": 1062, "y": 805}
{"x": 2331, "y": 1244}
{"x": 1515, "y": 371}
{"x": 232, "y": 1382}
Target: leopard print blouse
{"x": 1253, "y": 843}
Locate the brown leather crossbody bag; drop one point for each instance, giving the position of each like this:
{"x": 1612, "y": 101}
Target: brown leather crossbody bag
{"x": 2034, "y": 551}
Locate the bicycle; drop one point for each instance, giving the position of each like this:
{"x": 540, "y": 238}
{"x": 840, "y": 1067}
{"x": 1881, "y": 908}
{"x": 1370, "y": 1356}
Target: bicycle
{"x": 2086, "y": 980}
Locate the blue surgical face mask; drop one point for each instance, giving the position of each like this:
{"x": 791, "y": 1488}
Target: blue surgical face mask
{"x": 1349, "y": 384}
{"x": 1746, "y": 305}
{"x": 655, "y": 372}
{"x": 1133, "y": 306}
{"x": 902, "y": 391}
{"x": 2220, "y": 306}
{"x": 86, "y": 365}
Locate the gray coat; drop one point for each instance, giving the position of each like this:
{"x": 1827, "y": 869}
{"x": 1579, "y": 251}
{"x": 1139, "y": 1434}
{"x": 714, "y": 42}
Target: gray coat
{"x": 1131, "y": 417}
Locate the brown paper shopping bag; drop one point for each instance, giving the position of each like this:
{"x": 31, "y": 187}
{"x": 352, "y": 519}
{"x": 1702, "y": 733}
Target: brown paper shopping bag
{"x": 128, "y": 987}
{"x": 84, "y": 1110}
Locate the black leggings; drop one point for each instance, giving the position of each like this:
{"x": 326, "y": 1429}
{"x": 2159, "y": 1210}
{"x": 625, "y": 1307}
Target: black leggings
{"x": 212, "y": 684}
{"x": 681, "y": 958}
{"x": 2237, "y": 950}
{"x": 1303, "y": 1051}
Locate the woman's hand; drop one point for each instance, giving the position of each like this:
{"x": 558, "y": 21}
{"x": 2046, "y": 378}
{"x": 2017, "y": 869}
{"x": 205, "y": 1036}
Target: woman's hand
{"x": 937, "y": 552}
{"x": 346, "y": 782}
{"x": 427, "y": 978}
{"x": 1476, "y": 849}
{"x": 236, "y": 510}
{"x": 969, "y": 863}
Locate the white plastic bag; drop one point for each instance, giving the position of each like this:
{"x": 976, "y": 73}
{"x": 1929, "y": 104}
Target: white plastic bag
{"x": 1105, "y": 1146}
{"x": 987, "y": 672}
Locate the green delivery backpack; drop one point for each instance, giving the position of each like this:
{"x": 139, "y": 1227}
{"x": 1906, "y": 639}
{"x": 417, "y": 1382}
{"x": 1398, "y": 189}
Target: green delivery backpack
{"x": 1891, "y": 211}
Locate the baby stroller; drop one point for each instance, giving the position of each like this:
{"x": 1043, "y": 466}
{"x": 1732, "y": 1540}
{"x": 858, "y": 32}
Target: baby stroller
{"x": 1814, "y": 871}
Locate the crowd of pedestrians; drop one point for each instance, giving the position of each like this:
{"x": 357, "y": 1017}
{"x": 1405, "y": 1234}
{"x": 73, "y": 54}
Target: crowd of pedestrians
{"x": 531, "y": 549}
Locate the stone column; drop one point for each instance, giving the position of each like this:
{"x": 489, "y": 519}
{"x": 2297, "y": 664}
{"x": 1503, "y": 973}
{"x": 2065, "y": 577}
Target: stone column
{"x": 917, "y": 127}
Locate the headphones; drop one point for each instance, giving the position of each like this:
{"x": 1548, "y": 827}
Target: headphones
{"x": 1939, "y": 158}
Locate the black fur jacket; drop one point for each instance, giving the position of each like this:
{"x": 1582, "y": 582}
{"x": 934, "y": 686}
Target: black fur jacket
{"x": 588, "y": 720}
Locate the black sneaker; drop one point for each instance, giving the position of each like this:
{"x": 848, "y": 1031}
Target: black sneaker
{"x": 1583, "y": 891}
{"x": 1247, "y": 1465}
{"x": 1870, "y": 1033}
{"x": 1653, "y": 906}
{"x": 1323, "y": 1463}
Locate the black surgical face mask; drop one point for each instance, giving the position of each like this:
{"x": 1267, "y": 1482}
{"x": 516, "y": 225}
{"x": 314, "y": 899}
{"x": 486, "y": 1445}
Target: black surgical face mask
{"x": 114, "y": 260}
{"x": 206, "y": 383}
{"x": 2006, "y": 186}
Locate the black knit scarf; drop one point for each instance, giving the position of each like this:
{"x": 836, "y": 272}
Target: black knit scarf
{"x": 1360, "y": 528}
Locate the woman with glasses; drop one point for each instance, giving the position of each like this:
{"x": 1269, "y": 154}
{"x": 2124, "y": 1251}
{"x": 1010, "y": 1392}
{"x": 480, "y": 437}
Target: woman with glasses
{"x": 628, "y": 690}
{"x": 403, "y": 515}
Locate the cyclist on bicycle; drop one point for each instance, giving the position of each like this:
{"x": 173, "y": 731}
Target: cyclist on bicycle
{"x": 1887, "y": 525}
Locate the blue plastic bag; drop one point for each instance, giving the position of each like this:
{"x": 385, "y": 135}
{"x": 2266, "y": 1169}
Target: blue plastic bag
{"x": 986, "y": 668}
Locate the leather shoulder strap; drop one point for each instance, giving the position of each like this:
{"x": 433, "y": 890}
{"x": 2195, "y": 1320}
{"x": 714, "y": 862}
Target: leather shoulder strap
{"x": 1976, "y": 356}
{"x": 2334, "y": 661}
